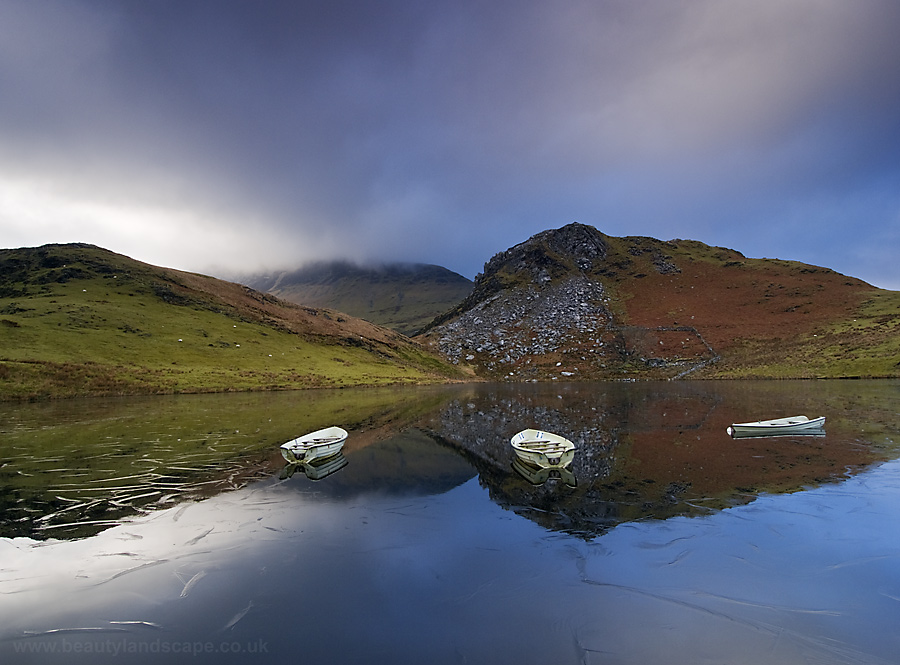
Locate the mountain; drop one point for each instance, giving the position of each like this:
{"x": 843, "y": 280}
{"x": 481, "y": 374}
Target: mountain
{"x": 573, "y": 303}
{"x": 401, "y": 296}
{"x": 80, "y": 320}
{"x": 566, "y": 304}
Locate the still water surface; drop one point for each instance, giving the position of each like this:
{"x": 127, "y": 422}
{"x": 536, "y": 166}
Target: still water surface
{"x": 170, "y": 530}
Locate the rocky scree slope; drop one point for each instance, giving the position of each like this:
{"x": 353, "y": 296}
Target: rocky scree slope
{"x": 537, "y": 311}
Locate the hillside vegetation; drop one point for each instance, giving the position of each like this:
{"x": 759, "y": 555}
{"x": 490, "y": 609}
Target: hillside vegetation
{"x": 765, "y": 318}
{"x": 80, "y": 320}
{"x": 567, "y": 304}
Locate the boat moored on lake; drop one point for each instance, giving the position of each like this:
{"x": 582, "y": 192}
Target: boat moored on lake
{"x": 319, "y": 444}
{"x": 778, "y": 426}
{"x": 543, "y": 449}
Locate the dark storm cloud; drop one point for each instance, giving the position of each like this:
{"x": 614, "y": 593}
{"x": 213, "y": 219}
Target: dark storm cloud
{"x": 447, "y": 131}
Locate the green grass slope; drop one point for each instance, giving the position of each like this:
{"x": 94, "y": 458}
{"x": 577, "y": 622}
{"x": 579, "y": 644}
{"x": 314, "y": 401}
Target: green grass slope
{"x": 80, "y": 320}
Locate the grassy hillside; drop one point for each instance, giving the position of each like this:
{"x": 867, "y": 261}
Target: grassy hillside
{"x": 402, "y": 297}
{"x": 79, "y": 320}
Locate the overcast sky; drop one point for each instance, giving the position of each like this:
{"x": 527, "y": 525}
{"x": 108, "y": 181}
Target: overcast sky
{"x": 224, "y": 135}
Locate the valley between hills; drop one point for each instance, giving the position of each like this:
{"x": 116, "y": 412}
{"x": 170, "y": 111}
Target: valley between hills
{"x": 569, "y": 304}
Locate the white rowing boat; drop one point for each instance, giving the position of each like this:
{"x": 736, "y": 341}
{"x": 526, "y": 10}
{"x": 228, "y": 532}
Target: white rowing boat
{"x": 315, "y": 445}
{"x": 544, "y": 449}
{"x": 789, "y": 425}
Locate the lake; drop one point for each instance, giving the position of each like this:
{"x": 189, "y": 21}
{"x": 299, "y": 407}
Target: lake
{"x": 169, "y": 529}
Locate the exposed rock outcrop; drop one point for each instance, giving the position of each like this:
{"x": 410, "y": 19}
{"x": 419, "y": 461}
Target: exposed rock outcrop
{"x": 544, "y": 310}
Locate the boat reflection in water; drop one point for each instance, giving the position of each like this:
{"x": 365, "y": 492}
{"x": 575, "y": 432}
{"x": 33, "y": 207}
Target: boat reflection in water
{"x": 317, "y": 469}
{"x": 537, "y": 475}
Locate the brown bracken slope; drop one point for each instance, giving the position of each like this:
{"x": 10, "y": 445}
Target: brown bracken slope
{"x": 763, "y": 317}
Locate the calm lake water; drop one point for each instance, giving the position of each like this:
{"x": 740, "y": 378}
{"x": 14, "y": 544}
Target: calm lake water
{"x": 169, "y": 529}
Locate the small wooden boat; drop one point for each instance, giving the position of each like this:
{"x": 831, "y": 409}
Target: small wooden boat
{"x": 787, "y": 434}
{"x": 543, "y": 449}
{"x": 790, "y": 425}
{"x": 321, "y": 443}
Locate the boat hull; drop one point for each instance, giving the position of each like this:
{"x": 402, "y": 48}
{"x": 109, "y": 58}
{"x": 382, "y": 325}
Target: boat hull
{"x": 543, "y": 449}
{"x": 315, "y": 445}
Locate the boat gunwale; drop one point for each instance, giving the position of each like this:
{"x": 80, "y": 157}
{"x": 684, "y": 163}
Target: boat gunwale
{"x": 543, "y": 446}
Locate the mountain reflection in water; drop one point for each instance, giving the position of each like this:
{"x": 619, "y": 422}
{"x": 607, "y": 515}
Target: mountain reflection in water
{"x": 655, "y": 450}
{"x": 423, "y": 543}
{"x": 644, "y": 450}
